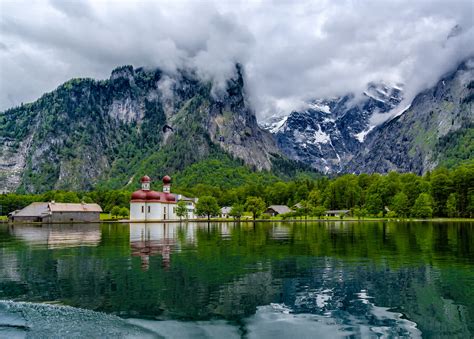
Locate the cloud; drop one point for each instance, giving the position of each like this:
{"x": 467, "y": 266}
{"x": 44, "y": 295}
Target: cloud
{"x": 291, "y": 51}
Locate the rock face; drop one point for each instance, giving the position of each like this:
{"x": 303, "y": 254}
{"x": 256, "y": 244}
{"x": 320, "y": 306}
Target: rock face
{"x": 329, "y": 132}
{"x": 440, "y": 120}
{"x": 375, "y": 134}
{"x": 86, "y": 132}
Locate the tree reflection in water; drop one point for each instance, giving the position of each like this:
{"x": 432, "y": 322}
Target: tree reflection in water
{"x": 385, "y": 278}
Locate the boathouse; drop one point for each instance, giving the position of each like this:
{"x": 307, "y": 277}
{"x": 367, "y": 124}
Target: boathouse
{"x": 50, "y": 212}
{"x": 273, "y": 210}
{"x": 336, "y": 213}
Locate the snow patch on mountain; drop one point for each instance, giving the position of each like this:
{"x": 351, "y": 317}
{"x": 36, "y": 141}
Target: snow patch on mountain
{"x": 329, "y": 131}
{"x": 361, "y": 136}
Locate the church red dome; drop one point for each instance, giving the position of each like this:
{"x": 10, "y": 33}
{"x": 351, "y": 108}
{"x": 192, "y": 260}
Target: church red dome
{"x": 142, "y": 195}
{"x": 169, "y": 197}
{"x": 166, "y": 179}
{"x": 145, "y": 178}
{"x": 152, "y": 195}
{"x": 139, "y": 195}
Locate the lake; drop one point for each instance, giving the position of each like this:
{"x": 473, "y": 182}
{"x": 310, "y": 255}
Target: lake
{"x": 226, "y": 280}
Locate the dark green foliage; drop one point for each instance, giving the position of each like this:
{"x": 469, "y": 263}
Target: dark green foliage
{"x": 451, "y": 206}
{"x": 207, "y": 206}
{"x": 456, "y": 147}
{"x": 255, "y": 205}
{"x": 400, "y": 204}
{"x": 182, "y": 210}
{"x": 450, "y": 191}
{"x": 237, "y": 211}
{"x": 423, "y": 206}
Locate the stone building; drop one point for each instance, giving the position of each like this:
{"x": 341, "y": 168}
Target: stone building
{"x": 51, "y": 212}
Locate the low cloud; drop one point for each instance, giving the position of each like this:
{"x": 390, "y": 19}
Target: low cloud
{"x": 291, "y": 52}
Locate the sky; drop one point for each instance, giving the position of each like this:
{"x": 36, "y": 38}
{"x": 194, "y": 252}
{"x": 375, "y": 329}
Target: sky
{"x": 291, "y": 51}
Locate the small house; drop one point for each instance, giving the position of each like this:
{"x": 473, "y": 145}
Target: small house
{"x": 274, "y": 210}
{"x": 336, "y": 213}
{"x": 50, "y": 212}
{"x": 225, "y": 212}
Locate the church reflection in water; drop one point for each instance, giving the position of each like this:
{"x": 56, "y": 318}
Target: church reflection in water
{"x": 149, "y": 239}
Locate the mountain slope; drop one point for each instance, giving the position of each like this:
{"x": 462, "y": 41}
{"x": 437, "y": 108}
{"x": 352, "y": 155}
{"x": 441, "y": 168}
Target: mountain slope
{"x": 330, "y": 131}
{"x": 87, "y": 133}
{"x": 436, "y": 129}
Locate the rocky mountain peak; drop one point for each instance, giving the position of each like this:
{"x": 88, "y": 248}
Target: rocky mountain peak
{"x": 87, "y": 132}
{"x": 328, "y": 131}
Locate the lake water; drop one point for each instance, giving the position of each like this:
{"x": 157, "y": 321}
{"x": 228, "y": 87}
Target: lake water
{"x": 225, "y": 280}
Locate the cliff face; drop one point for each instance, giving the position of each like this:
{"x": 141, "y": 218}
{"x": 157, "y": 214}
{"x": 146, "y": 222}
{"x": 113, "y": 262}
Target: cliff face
{"x": 436, "y": 130}
{"x": 88, "y": 132}
{"x": 330, "y": 131}
{"x": 338, "y": 135}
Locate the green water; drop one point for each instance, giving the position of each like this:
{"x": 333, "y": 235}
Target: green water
{"x": 330, "y": 279}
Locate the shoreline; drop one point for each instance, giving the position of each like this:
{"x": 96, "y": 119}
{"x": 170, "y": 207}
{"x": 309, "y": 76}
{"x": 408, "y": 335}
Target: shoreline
{"x": 220, "y": 220}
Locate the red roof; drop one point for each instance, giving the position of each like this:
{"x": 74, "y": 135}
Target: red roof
{"x": 166, "y": 179}
{"x": 142, "y": 195}
{"x": 69, "y": 207}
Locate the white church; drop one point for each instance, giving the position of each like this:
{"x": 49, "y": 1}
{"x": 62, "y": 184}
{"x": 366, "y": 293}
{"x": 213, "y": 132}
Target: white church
{"x": 148, "y": 205}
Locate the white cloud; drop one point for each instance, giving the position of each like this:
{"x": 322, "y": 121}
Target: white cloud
{"x": 291, "y": 51}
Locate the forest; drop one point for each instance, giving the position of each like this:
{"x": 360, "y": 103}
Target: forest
{"x": 440, "y": 193}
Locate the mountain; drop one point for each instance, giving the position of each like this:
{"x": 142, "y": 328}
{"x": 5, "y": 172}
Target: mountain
{"x": 330, "y": 131}
{"x": 87, "y": 132}
{"x": 437, "y": 129}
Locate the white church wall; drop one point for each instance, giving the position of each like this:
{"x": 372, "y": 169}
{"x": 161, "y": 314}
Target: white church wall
{"x": 137, "y": 211}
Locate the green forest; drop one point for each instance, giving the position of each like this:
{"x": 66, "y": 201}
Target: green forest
{"x": 440, "y": 193}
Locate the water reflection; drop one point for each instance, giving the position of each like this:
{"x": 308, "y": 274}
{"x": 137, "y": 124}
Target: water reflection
{"x": 58, "y": 235}
{"x": 338, "y": 279}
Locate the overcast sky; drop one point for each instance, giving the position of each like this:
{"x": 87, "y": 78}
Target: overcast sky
{"x": 291, "y": 50}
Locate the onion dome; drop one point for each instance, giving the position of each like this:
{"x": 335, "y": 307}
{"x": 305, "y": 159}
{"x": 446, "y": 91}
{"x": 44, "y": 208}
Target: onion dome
{"x": 139, "y": 195}
{"x": 145, "y": 178}
{"x": 152, "y": 195}
{"x": 169, "y": 197}
{"x": 166, "y": 179}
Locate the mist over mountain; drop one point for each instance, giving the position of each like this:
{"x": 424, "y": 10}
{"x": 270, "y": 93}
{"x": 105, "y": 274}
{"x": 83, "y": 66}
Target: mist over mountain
{"x": 88, "y": 132}
{"x": 378, "y": 133}
{"x": 339, "y": 86}
{"x": 292, "y": 51}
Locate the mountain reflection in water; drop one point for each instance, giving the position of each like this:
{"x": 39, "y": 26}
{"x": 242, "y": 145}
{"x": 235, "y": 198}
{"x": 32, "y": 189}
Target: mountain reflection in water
{"x": 330, "y": 279}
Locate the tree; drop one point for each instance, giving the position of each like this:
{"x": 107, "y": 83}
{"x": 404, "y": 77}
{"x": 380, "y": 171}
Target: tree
{"x": 255, "y": 205}
{"x": 115, "y": 211}
{"x": 374, "y": 203}
{"x": 360, "y": 213}
{"x": 400, "y": 204}
{"x": 391, "y": 214}
{"x": 305, "y": 208}
{"x": 124, "y": 212}
{"x": 319, "y": 211}
{"x": 182, "y": 210}
{"x": 451, "y": 206}
{"x": 423, "y": 206}
{"x": 315, "y": 197}
{"x": 207, "y": 206}
{"x": 441, "y": 187}
{"x": 237, "y": 211}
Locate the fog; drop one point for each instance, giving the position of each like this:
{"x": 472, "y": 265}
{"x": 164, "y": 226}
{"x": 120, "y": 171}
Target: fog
{"x": 291, "y": 51}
